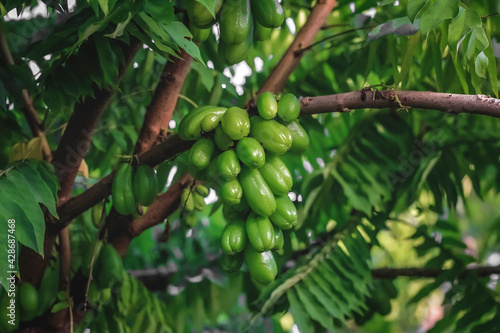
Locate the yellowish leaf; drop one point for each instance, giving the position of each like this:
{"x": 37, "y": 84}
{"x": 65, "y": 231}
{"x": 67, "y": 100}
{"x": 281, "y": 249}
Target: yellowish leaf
{"x": 84, "y": 169}
{"x": 17, "y": 152}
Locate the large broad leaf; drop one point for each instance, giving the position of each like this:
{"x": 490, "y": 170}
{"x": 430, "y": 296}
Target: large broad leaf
{"x": 462, "y": 24}
{"x": 438, "y": 12}
{"x": 179, "y": 34}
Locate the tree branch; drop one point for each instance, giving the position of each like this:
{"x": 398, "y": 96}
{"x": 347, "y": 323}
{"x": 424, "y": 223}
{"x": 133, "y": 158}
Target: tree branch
{"x": 392, "y": 273}
{"x": 165, "y": 97}
{"x": 291, "y": 59}
{"x": 164, "y": 205}
{"x": 366, "y": 99}
{"x": 167, "y": 150}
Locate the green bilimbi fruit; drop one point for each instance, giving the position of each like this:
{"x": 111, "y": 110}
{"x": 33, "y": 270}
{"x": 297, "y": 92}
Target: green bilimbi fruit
{"x": 199, "y": 15}
{"x": 28, "y": 297}
{"x": 269, "y": 13}
{"x": 210, "y": 122}
{"x": 228, "y": 165}
{"x": 234, "y": 238}
{"x": 221, "y": 139}
{"x": 202, "y": 190}
{"x": 285, "y": 215}
{"x": 250, "y": 152}
{"x": 279, "y": 240}
{"x": 273, "y": 136}
{"x": 256, "y": 192}
{"x": 267, "y": 105}
{"x": 199, "y": 201}
{"x": 288, "y": 107}
{"x": 145, "y": 185}
{"x": 300, "y": 137}
{"x": 187, "y": 201}
{"x": 231, "y": 192}
{"x": 260, "y": 232}
{"x": 121, "y": 190}
{"x": 235, "y": 21}
{"x": 110, "y": 267}
{"x": 261, "y": 265}
{"x": 232, "y": 54}
{"x": 190, "y": 125}
{"x": 189, "y": 218}
{"x": 236, "y": 123}
{"x": 277, "y": 175}
{"x": 201, "y": 153}
{"x": 199, "y": 35}
{"x": 97, "y": 214}
{"x": 232, "y": 263}
{"x": 236, "y": 212}
{"x": 261, "y": 33}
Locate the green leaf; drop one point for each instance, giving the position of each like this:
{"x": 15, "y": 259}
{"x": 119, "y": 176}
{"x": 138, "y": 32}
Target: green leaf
{"x": 15, "y": 187}
{"x": 477, "y": 43}
{"x": 437, "y": 13}
{"x": 299, "y": 313}
{"x": 160, "y": 10}
{"x": 358, "y": 200}
{"x": 462, "y": 24}
{"x": 206, "y": 75}
{"x": 179, "y": 34}
{"x": 314, "y": 309}
{"x": 209, "y": 4}
{"x": 59, "y": 306}
{"x": 407, "y": 64}
{"x": 481, "y": 65}
{"x": 492, "y": 69}
{"x": 414, "y": 6}
{"x": 39, "y": 187}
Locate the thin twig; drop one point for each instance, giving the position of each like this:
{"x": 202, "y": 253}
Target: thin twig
{"x": 307, "y": 48}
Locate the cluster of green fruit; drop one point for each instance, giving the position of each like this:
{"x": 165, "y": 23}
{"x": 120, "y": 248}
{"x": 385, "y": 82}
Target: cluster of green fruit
{"x": 239, "y": 156}
{"x": 133, "y": 187}
{"x": 193, "y": 200}
{"x": 241, "y": 23}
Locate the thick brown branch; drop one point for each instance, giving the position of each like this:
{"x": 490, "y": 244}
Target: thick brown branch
{"x": 291, "y": 59}
{"x": 164, "y": 101}
{"x": 392, "y": 273}
{"x": 444, "y": 102}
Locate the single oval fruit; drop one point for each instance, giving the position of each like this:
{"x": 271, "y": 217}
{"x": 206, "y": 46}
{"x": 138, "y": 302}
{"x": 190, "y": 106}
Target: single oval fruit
{"x": 277, "y": 175}
{"x": 9, "y": 312}
{"x": 199, "y": 201}
{"x": 121, "y": 190}
{"x": 199, "y": 15}
{"x": 279, "y": 240}
{"x": 187, "y": 201}
{"x": 236, "y": 123}
{"x": 260, "y": 32}
{"x": 273, "y": 136}
{"x": 221, "y": 139}
{"x": 110, "y": 267}
{"x": 232, "y": 54}
{"x": 234, "y": 238}
{"x": 250, "y": 152}
{"x": 199, "y": 34}
{"x": 202, "y": 190}
{"x": 267, "y": 105}
{"x": 145, "y": 185}
{"x": 285, "y": 215}
{"x": 232, "y": 263}
{"x": 28, "y": 297}
{"x": 228, "y": 165}
{"x": 231, "y": 192}
{"x": 260, "y": 232}
{"x": 210, "y": 122}
{"x": 269, "y": 13}
{"x": 288, "y": 107}
{"x": 235, "y": 21}
{"x": 201, "y": 153}
{"x": 300, "y": 137}
{"x": 97, "y": 214}
{"x": 190, "y": 219}
{"x": 261, "y": 265}
{"x": 256, "y": 192}
{"x": 190, "y": 125}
